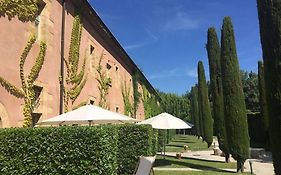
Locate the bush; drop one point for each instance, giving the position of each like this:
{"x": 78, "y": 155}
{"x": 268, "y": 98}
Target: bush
{"x": 134, "y": 142}
{"x": 73, "y": 150}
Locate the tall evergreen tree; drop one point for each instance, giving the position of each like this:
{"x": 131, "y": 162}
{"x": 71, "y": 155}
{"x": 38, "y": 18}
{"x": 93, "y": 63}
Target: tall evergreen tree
{"x": 235, "y": 109}
{"x": 213, "y": 49}
{"x": 270, "y": 30}
{"x": 194, "y": 109}
{"x": 204, "y": 105}
{"x": 263, "y": 102}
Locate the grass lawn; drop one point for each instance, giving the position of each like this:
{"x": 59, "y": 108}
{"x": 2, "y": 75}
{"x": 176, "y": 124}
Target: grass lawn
{"x": 195, "y": 173}
{"x": 208, "y": 167}
{"x": 172, "y": 162}
{"x": 194, "y": 144}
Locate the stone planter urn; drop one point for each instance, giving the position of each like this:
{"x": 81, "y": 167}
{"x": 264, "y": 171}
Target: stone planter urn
{"x": 178, "y": 155}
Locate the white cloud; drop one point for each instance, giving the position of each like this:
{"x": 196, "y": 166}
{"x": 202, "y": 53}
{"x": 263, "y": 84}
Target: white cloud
{"x": 176, "y": 72}
{"x": 181, "y": 21}
{"x": 134, "y": 46}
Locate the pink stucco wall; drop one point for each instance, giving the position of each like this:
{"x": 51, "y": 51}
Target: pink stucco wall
{"x": 14, "y": 35}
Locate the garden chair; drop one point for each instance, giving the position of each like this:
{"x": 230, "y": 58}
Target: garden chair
{"x": 145, "y": 165}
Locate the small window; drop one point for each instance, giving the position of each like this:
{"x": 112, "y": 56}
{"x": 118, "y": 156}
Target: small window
{"x": 117, "y": 109}
{"x": 1, "y": 125}
{"x": 37, "y": 91}
{"x": 108, "y": 66}
{"x": 116, "y": 68}
{"x": 92, "y": 48}
{"x": 35, "y": 118}
{"x": 92, "y": 102}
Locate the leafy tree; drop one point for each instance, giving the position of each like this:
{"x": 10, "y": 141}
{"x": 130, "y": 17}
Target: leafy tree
{"x": 251, "y": 90}
{"x": 204, "y": 106}
{"x": 234, "y": 103}
{"x": 270, "y": 31}
{"x": 177, "y": 105}
{"x": 263, "y": 103}
{"x": 213, "y": 49}
{"x": 194, "y": 109}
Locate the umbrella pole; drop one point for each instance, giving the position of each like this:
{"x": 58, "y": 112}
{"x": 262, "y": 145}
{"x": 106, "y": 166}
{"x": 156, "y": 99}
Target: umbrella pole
{"x": 165, "y": 137}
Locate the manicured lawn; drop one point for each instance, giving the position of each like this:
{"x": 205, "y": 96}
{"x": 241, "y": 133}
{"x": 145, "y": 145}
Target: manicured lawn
{"x": 172, "y": 162}
{"x": 207, "y": 167}
{"x": 194, "y": 144}
{"x": 194, "y": 173}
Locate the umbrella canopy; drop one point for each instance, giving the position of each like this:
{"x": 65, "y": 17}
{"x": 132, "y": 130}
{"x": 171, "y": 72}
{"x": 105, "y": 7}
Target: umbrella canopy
{"x": 166, "y": 121}
{"x": 86, "y": 115}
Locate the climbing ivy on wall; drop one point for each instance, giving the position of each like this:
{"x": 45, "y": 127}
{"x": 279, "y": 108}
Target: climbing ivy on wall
{"x": 136, "y": 93}
{"x": 75, "y": 80}
{"x": 128, "y": 107}
{"x": 25, "y": 10}
{"x": 104, "y": 84}
{"x": 150, "y": 103}
{"x": 27, "y": 90}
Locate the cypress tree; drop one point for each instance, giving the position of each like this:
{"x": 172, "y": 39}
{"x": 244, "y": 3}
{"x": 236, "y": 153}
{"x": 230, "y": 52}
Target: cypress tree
{"x": 204, "y": 106}
{"x": 234, "y": 102}
{"x": 213, "y": 50}
{"x": 263, "y": 103}
{"x": 270, "y": 31}
{"x": 194, "y": 107}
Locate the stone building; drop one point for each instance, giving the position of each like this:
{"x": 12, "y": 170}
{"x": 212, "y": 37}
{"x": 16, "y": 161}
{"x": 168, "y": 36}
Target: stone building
{"x": 56, "y": 22}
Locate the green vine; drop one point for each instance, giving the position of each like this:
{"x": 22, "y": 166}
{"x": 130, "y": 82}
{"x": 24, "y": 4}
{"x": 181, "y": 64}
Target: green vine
{"x": 150, "y": 103}
{"x": 27, "y": 91}
{"x": 104, "y": 84}
{"x": 128, "y": 107}
{"x": 83, "y": 103}
{"x": 136, "y": 93}
{"x": 75, "y": 80}
{"x": 25, "y": 10}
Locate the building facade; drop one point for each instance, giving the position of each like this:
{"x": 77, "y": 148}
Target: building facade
{"x": 80, "y": 53}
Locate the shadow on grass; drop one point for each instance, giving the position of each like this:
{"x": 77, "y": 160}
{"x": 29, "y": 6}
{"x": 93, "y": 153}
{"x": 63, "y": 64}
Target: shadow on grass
{"x": 182, "y": 141}
{"x": 172, "y": 160}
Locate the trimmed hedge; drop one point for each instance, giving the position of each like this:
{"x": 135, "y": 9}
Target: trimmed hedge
{"x": 134, "y": 142}
{"x": 74, "y": 150}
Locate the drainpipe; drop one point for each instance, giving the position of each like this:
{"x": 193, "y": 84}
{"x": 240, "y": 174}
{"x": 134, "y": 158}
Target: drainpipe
{"x": 61, "y": 79}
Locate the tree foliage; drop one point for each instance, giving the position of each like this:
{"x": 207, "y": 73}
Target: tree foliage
{"x": 194, "y": 109}
{"x": 263, "y": 101}
{"x": 213, "y": 50}
{"x": 204, "y": 106}
{"x": 176, "y": 105}
{"x": 251, "y": 90}
{"x": 270, "y": 31}
{"x": 234, "y": 102}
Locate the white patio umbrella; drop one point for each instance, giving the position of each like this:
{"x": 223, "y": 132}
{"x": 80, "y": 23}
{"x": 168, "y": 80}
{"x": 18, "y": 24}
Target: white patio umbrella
{"x": 88, "y": 114}
{"x": 166, "y": 121}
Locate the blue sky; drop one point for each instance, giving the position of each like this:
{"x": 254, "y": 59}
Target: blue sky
{"x": 166, "y": 38}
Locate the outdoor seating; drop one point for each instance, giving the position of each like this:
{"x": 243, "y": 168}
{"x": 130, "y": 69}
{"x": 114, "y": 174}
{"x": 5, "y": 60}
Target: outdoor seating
{"x": 145, "y": 165}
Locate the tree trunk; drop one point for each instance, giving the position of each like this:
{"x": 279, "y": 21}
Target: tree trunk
{"x": 240, "y": 166}
{"x": 226, "y": 157}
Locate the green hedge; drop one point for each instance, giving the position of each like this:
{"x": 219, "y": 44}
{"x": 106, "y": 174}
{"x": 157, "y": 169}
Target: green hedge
{"x": 74, "y": 150}
{"x": 134, "y": 142}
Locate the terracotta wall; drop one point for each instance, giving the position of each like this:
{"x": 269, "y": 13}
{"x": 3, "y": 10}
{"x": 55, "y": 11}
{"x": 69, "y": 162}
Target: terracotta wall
{"x": 14, "y": 35}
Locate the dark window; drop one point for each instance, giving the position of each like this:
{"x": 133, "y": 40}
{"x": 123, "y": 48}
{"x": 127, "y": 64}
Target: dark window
{"x": 92, "y": 48}
{"x": 35, "y": 118}
{"x": 1, "y": 125}
{"x": 117, "y": 109}
{"x": 37, "y": 91}
{"x": 116, "y": 68}
{"x": 108, "y": 66}
{"x": 92, "y": 102}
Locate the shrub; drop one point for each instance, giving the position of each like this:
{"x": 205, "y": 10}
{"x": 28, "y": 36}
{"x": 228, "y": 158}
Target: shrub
{"x": 134, "y": 142}
{"x": 74, "y": 150}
